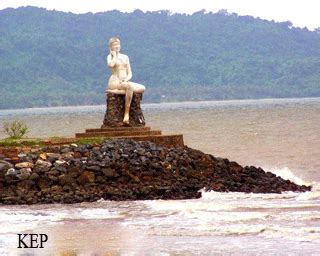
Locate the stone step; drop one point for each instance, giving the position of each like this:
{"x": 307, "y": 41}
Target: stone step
{"x": 116, "y": 129}
{"x": 117, "y": 134}
{"x": 163, "y": 140}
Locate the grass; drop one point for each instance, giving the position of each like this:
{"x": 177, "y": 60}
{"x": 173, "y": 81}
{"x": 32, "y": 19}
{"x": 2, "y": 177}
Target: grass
{"x": 10, "y": 142}
{"x": 98, "y": 140}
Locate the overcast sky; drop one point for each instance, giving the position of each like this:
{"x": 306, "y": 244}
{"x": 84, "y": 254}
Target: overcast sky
{"x": 302, "y": 13}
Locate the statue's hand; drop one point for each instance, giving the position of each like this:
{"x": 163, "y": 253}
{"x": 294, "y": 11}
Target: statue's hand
{"x": 113, "y": 53}
{"x": 125, "y": 80}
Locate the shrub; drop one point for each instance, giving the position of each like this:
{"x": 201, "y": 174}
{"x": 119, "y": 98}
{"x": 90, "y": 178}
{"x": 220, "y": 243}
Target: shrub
{"x": 15, "y": 129}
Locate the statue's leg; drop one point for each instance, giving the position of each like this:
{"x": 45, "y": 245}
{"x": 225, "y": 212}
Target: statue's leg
{"x": 129, "y": 95}
{"x": 138, "y": 88}
{"x": 130, "y": 88}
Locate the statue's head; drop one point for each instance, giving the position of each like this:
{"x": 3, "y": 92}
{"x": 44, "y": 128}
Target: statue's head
{"x": 114, "y": 44}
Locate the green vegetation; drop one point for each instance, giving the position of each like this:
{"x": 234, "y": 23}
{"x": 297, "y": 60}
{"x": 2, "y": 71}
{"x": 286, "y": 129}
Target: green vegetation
{"x": 81, "y": 141}
{"x": 50, "y": 58}
{"x": 12, "y": 142}
{"x": 21, "y": 142}
{"x": 95, "y": 140}
{"x": 15, "y": 129}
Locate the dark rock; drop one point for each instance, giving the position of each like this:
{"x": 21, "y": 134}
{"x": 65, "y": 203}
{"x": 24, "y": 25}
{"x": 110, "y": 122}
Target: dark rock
{"x": 53, "y": 172}
{"x": 65, "y": 150}
{"x": 86, "y": 177}
{"x": 108, "y": 172}
{"x": 53, "y": 178}
{"x": 100, "y": 179}
{"x": 67, "y": 188}
{"x": 52, "y": 157}
{"x": 77, "y": 154}
{"x": 24, "y": 165}
{"x": 93, "y": 168}
{"x": 66, "y": 179}
{"x": 59, "y": 162}
{"x": 34, "y": 176}
{"x": 43, "y": 163}
{"x": 56, "y": 189}
{"x": 43, "y": 183}
{"x": 5, "y": 165}
{"x": 24, "y": 186}
{"x": 24, "y": 173}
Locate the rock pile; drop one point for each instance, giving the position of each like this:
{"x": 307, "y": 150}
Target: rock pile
{"x": 126, "y": 170}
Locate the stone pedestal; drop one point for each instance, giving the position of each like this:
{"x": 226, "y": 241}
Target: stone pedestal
{"x": 114, "y": 128}
{"x": 115, "y": 111}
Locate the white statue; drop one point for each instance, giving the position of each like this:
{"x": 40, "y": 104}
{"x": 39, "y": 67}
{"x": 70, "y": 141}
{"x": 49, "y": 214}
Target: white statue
{"x": 119, "y": 81}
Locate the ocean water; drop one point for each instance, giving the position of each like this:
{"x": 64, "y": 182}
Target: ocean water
{"x": 279, "y": 135}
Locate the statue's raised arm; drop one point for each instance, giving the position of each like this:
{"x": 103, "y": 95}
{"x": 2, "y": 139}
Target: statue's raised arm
{"x": 119, "y": 81}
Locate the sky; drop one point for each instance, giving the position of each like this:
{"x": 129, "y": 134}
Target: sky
{"x": 302, "y": 13}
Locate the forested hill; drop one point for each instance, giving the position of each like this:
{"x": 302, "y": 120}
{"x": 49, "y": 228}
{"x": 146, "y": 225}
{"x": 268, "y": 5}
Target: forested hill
{"x": 50, "y": 58}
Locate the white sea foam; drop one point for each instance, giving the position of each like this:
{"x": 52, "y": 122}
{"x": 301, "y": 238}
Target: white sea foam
{"x": 15, "y": 221}
{"x": 287, "y": 174}
{"x": 227, "y": 217}
{"x": 310, "y": 195}
{"x": 187, "y": 206}
{"x": 302, "y": 234}
{"x": 96, "y": 213}
{"x": 212, "y": 195}
{"x": 299, "y": 216}
{"x": 314, "y": 194}
{"x": 85, "y": 214}
{"x": 208, "y": 229}
{"x": 234, "y": 229}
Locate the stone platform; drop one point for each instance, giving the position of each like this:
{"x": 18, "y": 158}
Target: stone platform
{"x": 135, "y": 133}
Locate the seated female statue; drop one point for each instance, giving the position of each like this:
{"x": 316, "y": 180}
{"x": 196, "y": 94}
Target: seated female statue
{"x": 119, "y": 81}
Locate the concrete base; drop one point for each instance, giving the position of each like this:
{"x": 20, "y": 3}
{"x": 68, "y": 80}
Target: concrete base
{"x": 135, "y": 133}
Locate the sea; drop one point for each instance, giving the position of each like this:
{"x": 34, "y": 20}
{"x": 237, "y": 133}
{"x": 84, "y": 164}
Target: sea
{"x": 279, "y": 135}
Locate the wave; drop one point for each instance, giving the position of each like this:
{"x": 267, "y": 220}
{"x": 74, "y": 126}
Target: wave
{"x": 284, "y": 173}
{"x": 301, "y": 234}
{"x": 175, "y": 206}
{"x": 314, "y": 194}
{"x": 16, "y": 221}
{"x": 287, "y": 174}
{"x": 212, "y": 195}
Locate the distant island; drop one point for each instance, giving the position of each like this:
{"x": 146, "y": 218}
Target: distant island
{"x": 51, "y": 58}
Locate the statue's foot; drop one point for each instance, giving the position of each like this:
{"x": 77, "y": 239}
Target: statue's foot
{"x": 126, "y": 119}
{"x": 126, "y": 124}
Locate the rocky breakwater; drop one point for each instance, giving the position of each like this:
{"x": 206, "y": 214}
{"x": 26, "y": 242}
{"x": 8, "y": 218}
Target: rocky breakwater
{"x": 126, "y": 170}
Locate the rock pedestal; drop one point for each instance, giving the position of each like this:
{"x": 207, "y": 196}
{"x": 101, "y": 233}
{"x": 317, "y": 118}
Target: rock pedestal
{"x": 113, "y": 127}
{"x": 115, "y": 111}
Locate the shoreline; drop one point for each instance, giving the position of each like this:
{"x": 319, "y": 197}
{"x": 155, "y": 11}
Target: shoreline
{"x": 154, "y": 104}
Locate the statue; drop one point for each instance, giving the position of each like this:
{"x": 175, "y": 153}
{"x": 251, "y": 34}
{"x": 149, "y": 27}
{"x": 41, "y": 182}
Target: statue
{"x": 119, "y": 81}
